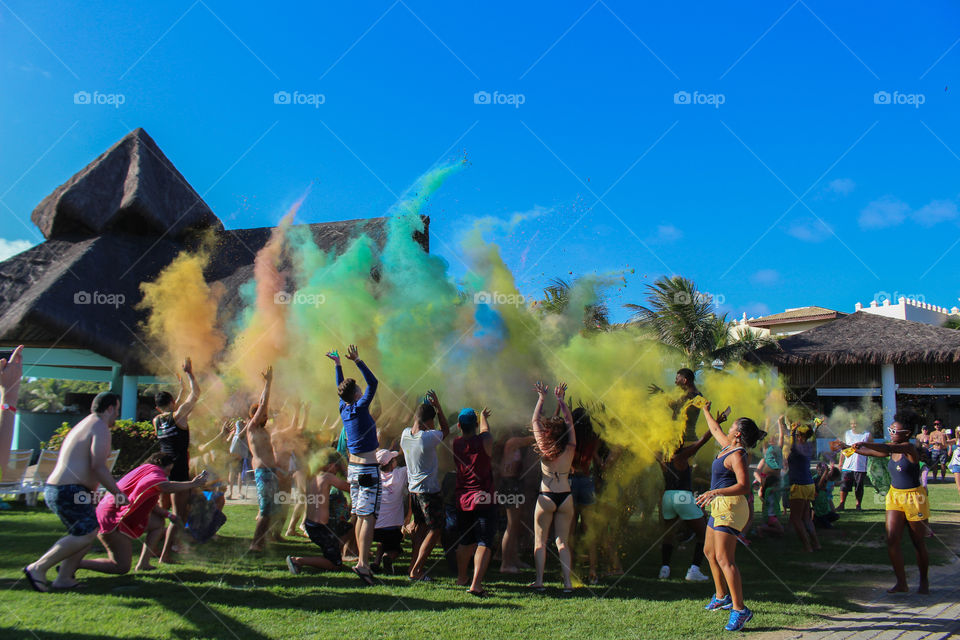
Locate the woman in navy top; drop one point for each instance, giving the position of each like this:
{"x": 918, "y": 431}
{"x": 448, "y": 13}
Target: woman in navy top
{"x": 907, "y": 504}
{"x": 730, "y": 513}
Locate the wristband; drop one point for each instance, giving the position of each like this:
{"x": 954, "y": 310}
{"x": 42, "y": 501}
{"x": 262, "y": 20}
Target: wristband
{"x": 8, "y": 407}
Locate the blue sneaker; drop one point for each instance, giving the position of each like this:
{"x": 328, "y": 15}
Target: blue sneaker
{"x": 738, "y": 619}
{"x": 723, "y": 603}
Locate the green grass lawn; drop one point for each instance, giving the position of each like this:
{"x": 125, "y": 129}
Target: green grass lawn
{"x": 221, "y": 592}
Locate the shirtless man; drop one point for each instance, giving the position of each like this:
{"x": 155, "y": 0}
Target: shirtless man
{"x": 173, "y": 435}
{"x": 81, "y": 468}
{"x": 264, "y": 463}
{"x": 326, "y": 470}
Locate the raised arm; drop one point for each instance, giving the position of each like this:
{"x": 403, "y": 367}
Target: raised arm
{"x": 541, "y": 390}
{"x": 333, "y": 355}
{"x": 183, "y": 410}
{"x": 781, "y": 427}
{"x": 260, "y": 417}
{"x": 884, "y": 449}
{"x": 484, "y": 430}
{"x": 368, "y": 377}
{"x": 722, "y": 439}
{"x": 434, "y": 401}
{"x": 560, "y": 392}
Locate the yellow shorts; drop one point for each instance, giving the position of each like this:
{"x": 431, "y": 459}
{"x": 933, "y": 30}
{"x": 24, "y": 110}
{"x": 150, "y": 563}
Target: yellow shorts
{"x": 802, "y": 492}
{"x": 912, "y": 502}
{"x": 729, "y": 511}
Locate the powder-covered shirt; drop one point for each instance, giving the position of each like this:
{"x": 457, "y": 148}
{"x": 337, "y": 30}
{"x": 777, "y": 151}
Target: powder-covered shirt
{"x": 420, "y": 452}
{"x": 855, "y": 462}
{"x": 394, "y": 488}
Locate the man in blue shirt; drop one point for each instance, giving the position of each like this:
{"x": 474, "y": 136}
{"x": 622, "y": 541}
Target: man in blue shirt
{"x": 363, "y": 471}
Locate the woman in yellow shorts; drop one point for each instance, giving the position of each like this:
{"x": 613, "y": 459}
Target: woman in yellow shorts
{"x": 729, "y": 514}
{"x": 907, "y": 503}
{"x": 803, "y": 447}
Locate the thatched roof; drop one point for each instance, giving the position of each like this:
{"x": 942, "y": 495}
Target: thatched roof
{"x": 802, "y": 314}
{"x": 132, "y": 186}
{"x": 54, "y": 294}
{"x": 866, "y": 338}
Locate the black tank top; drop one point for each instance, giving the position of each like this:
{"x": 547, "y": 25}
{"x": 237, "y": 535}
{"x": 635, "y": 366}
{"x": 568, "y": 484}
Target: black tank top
{"x": 676, "y": 479}
{"x": 172, "y": 439}
{"x": 903, "y": 473}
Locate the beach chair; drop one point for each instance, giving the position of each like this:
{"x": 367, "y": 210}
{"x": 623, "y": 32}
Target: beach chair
{"x": 14, "y": 474}
{"x": 37, "y": 474}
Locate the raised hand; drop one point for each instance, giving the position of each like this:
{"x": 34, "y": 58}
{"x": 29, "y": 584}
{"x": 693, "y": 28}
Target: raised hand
{"x": 353, "y": 353}
{"x": 432, "y": 398}
{"x": 187, "y": 366}
{"x": 560, "y": 391}
{"x": 333, "y": 355}
{"x": 654, "y": 389}
{"x": 486, "y": 413}
{"x": 541, "y": 388}
{"x": 11, "y": 370}
{"x": 268, "y": 374}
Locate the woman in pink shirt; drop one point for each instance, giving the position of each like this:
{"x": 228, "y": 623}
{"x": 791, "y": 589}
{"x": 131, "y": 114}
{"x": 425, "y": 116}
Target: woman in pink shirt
{"x": 121, "y": 525}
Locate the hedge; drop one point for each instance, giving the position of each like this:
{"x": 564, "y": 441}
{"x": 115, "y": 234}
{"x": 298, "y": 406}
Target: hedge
{"x": 136, "y": 441}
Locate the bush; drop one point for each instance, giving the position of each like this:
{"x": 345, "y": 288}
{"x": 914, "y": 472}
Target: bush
{"x": 135, "y": 440}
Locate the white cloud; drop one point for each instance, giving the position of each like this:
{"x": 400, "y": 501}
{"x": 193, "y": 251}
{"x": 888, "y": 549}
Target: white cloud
{"x": 935, "y": 212}
{"x": 667, "y": 233}
{"x": 809, "y": 230}
{"x": 765, "y": 277}
{"x": 885, "y": 212}
{"x": 841, "y": 186}
{"x": 10, "y": 248}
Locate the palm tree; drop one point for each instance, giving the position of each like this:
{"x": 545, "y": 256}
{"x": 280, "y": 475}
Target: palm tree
{"x": 557, "y": 296}
{"x": 683, "y": 318}
{"x": 952, "y": 323}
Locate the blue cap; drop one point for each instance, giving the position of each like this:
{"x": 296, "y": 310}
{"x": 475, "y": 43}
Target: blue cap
{"x": 467, "y": 417}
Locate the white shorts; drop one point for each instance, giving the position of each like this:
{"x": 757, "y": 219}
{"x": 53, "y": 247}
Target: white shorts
{"x": 365, "y": 488}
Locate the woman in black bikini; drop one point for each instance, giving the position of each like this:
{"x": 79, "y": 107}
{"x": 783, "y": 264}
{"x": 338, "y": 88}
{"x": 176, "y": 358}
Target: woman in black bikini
{"x": 556, "y": 442}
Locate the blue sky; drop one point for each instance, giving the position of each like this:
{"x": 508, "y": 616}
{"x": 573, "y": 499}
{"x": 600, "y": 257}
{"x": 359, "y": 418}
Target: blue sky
{"x": 778, "y": 153}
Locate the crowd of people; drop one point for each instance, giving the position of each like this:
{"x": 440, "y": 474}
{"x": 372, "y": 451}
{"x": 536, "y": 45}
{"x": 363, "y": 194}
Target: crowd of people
{"x": 355, "y": 491}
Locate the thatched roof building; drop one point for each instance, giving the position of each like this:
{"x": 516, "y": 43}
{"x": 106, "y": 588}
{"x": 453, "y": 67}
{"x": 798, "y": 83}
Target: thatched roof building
{"x": 114, "y": 225}
{"x": 868, "y": 355}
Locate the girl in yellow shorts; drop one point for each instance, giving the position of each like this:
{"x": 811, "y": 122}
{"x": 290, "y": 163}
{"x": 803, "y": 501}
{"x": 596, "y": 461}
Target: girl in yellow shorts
{"x": 907, "y": 503}
{"x": 730, "y": 514}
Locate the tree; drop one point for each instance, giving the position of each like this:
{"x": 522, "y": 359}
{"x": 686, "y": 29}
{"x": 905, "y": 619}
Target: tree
{"x": 47, "y": 394}
{"x": 557, "y": 296}
{"x": 683, "y": 318}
